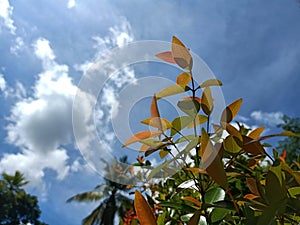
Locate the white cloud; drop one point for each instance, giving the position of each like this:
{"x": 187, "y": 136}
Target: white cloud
{"x": 270, "y": 119}
{"x": 6, "y": 11}
{"x": 41, "y": 124}
{"x": 18, "y": 46}
{"x": 2, "y": 83}
{"x": 71, "y": 4}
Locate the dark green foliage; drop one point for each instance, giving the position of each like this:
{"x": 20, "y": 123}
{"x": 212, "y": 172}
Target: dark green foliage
{"x": 16, "y": 206}
{"x": 290, "y": 144}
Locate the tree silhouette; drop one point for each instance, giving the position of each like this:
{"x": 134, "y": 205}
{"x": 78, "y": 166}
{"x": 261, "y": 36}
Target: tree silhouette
{"x": 16, "y": 206}
{"x": 111, "y": 195}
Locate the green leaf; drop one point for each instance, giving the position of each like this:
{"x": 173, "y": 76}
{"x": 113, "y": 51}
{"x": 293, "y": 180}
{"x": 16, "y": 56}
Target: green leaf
{"x": 184, "y": 139}
{"x": 163, "y": 153}
{"x": 207, "y": 101}
{"x": 275, "y": 192}
{"x": 180, "y": 123}
{"x": 214, "y": 195}
{"x": 200, "y": 119}
{"x": 190, "y": 107}
{"x": 161, "y": 218}
{"x": 171, "y": 90}
{"x": 231, "y": 144}
{"x": 193, "y": 143}
{"x": 218, "y": 214}
{"x": 158, "y": 168}
{"x": 294, "y": 191}
{"x": 177, "y": 206}
{"x": 211, "y": 82}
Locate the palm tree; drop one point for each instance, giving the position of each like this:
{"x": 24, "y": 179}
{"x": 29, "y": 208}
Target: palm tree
{"x": 111, "y": 195}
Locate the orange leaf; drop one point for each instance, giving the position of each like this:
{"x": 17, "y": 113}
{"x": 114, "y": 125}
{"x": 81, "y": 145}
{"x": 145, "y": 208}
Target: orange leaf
{"x": 144, "y": 148}
{"x": 141, "y": 136}
{"x": 250, "y": 196}
{"x": 143, "y": 210}
{"x": 192, "y": 200}
{"x": 166, "y": 56}
{"x": 156, "y": 122}
{"x": 256, "y": 132}
{"x": 251, "y": 183}
{"x": 184, "y": 79}
{"x": 231, "y": 111}
{"x": 181, "y": 54}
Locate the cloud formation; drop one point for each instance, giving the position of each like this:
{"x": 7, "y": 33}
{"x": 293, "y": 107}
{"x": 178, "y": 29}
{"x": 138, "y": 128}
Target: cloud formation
{"x": 40, "y": 124}
{"x": 6, "y": 20}
{"x": 271, "y": 119}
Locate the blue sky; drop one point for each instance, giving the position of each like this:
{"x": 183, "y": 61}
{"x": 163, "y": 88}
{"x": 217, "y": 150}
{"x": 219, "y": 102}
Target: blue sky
{"x": 47, "y": 46}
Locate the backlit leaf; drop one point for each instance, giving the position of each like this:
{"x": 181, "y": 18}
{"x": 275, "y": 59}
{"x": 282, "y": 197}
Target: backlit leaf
{"x": 231, "y": 144}
{"x": 214, "y": 165}
{"x": 164, "y": 123}
{"x": 211, "y": 82}
{"x": 166, "y": 56}
{"x": 184, "y": 79}
{"x": 200, "y": 119}
{"x": 181, "y": 54}
{"x": 252, "y": 147}
{"x": 163, "y": 153}
{"x": 141, "y": 136}
{"x": 204, "y": 140}
{"x": 190, "y": 107}
{"x": 256, "y": 132}
{"x": 231, "y": 111}
{"x": 207, "y": 101}
{"x": 143, "y": 210}
{"x": 171, "y": 90}
{"x": 180, "y": 123}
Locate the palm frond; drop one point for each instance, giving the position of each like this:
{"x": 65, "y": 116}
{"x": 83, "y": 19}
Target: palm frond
{"x": 95, "y": 217}
{"x": 87, "y": 196}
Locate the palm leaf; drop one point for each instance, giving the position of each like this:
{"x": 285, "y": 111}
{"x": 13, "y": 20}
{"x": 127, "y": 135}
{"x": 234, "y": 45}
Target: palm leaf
{"x": 87, "y": 196}
{"x": 95, "y": 217}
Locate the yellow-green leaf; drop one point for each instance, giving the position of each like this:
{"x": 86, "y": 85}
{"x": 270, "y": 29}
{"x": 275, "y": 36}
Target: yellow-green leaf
{"x": 231, "y": 111}
{"x": 181, "y": 54}
{"x": 256, "y": 132}
{"x": 163, "y": 153}
{"x": 166, "y": 56}
{"x": 211, "y": 82}
{"x": 200, "y": 119}
{"x": 203, "y": 141}
{"x": 164, "y": 123}
{"x": 171, "y": 90}
{"x": 207, "y": 101}
{"x": 143, "y": 210}
{"x": 190, "y": 106}
{"x": 141, "y": 136}
{"x": 180, "y": 123}
{"x": 184, "y": 79}
{"x": 231, "y": 144}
